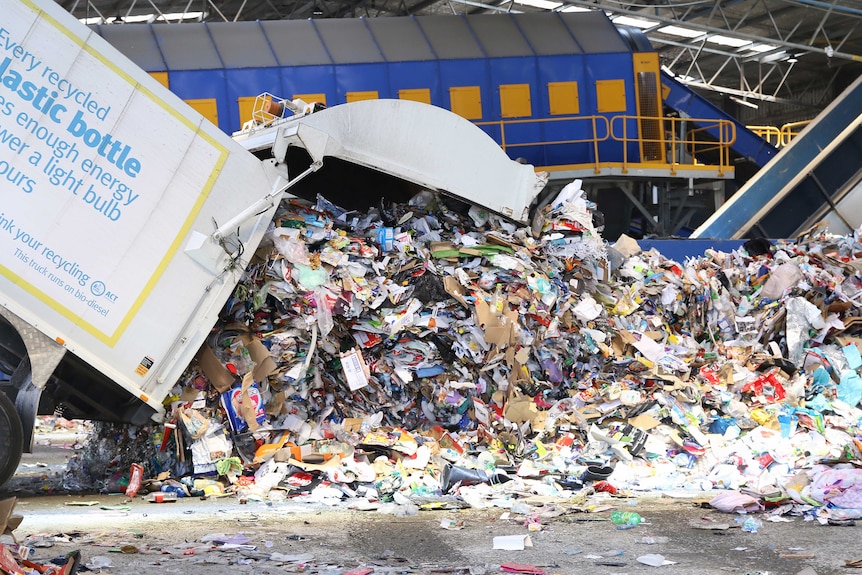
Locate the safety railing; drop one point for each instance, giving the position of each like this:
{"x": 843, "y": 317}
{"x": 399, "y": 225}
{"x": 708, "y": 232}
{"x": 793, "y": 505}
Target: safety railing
{"x": 683, "y": 145}
{"x": 769, "y": 133}
{"x": 597, "y": 127}
{"x": 780, "y": 137}
{"x": 678, "y": 141}
{"x": 791, "y": 130}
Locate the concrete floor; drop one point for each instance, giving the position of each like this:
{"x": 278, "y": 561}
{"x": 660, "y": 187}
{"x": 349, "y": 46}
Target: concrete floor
{"x": 136, "y": 536}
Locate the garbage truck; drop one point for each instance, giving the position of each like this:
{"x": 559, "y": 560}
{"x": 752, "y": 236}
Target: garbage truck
{"x": 127, "y": 219}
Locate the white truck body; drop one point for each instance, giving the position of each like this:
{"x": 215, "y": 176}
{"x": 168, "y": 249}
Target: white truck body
{"x": 127, "y": 219}
{"x": 105, "y": 176}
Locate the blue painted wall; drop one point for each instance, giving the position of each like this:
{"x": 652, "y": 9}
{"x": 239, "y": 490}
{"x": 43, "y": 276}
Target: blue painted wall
{"x": 387, "y": 78}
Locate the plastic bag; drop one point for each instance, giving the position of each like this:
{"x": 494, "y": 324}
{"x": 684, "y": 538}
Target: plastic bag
{"x": 309, "y": 278}
{"x": 195, "y": 423}
{"x": 850, "y": 388}
{"x": 734, "y": 502}
{"x": 294, "y": 251}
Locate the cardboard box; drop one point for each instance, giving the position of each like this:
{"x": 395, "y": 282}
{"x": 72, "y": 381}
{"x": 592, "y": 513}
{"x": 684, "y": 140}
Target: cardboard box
{"x": 9, "y": 521}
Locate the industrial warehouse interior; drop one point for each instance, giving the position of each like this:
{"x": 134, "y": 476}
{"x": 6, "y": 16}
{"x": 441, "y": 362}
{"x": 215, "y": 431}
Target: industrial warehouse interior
{"x": 431, "y": 286}
{"x": 767, "y": 67}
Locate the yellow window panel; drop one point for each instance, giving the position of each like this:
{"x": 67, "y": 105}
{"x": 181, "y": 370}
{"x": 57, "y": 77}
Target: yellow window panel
{"x": 162, "y": 78}
{"x": 206, "y": 108}
{"x": 417, "y": 95}
{"x": 359, "y": 96}
{"x": 610, "y": 96}
{"x": 466, "y": 101}
{"x": 310, "y": 98}
{"x": 515, "y": 101}
{"x": 563, "y": 98}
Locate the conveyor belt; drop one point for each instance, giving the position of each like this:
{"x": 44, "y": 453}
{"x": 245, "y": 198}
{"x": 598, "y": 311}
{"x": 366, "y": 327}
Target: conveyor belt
{"x": 815, "y": 178}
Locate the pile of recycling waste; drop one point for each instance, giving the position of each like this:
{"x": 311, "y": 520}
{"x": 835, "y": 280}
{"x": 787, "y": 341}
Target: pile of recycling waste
{"x": 431, "y": 348}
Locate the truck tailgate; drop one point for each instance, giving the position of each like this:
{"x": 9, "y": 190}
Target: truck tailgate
{"x": 106, "y": 175}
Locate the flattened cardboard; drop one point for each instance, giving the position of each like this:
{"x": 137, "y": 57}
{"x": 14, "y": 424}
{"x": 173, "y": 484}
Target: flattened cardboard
{"x": 264, "y": 365}
{"x": 9, "y": 522}
{"x": 454, "y": 289}
{"x": 499, "y": 329}
{"x": 644, "y": 421}
{"x": 351, "y": 424}
{"x": 217, "y": 374}
{"x": 520, "y": 409}
{"x": 249, "y": 414}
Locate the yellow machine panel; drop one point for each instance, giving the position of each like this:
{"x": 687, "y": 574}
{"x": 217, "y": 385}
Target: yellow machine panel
{"x": 610, "y": 96}
{"x": 246, "y": 108}
{"x": 310, "y": 98}
{"x": 563, "y": 98}
{"x": 466, "y": 101}
{"x": 648, "y": 93}
{"x": 207, "y": 107}
{"x": 417, "y": 95}
{"x": 162, "y": 78}
{"x": 515, "y": 101}
{"x": 359, "y": 96}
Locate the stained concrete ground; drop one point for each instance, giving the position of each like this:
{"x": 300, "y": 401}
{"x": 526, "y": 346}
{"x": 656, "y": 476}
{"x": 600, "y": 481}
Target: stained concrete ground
{"x": 134, "y": 536}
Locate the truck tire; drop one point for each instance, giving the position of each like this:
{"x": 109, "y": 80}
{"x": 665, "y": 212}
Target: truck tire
{"x": 11, "y": 439}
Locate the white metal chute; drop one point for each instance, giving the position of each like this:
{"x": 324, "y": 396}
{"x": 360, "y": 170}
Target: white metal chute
{"x": 422, "y": 144}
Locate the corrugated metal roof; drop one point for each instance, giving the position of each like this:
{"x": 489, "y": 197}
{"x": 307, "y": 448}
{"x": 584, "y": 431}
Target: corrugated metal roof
{"x": 137, "y": 43}
{"x": 242, "y": 44}
{"x": 348, "y": 41}
{"x": 296, "y": 43}
{"x": 187, "y": 47}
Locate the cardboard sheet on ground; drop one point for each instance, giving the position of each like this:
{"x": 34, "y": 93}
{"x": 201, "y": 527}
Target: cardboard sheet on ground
{"x": 9, "y": 521}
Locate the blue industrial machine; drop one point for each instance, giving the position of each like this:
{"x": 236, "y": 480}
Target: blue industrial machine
{"x": 569, "y": 93}
{"x": 569, "y": 87}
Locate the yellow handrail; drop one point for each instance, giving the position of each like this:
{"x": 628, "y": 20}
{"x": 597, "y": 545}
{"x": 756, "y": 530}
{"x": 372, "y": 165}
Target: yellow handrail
{"x": 595, "y": 124}
{"x": 779, "y": 137}
{"x": 769, "y": 133}
{"x": 676, "y": 148}
{"x": 791, "y": 130}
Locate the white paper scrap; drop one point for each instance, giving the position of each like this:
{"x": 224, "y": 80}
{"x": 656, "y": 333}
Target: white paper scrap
{"x": 512, "y": 542}
{"x": 354, "y": 372}
{"x": 654, "y": 560}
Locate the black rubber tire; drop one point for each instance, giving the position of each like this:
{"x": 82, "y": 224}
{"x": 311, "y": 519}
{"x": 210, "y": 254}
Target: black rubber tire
{"x": 11, "y": 439}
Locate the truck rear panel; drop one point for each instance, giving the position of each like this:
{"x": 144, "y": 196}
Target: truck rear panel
{"x": 105, "y": 176}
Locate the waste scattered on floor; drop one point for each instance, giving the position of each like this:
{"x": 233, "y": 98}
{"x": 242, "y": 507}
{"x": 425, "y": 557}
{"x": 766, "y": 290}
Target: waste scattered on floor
{"x": 17, "y": 558}
{"x": 429, "y": 350}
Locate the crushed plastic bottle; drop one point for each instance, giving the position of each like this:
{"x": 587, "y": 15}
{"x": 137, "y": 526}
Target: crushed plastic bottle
{"x": 631, "y": 518}
{"x": 751, "y": 525}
